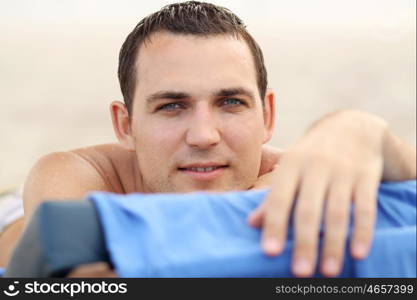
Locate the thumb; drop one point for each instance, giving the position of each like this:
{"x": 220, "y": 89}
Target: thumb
{"x": 256, "y": 217}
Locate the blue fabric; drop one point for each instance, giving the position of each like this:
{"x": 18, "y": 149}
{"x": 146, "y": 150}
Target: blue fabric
{"x": 206, "y": 235}
{"x": 1, "y": 272}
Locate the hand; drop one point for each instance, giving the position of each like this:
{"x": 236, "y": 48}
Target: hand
{"x": 338, "y": 162}
{"x": 270, "y": 158}
{"x": 267, "y": 179}
{"x": 267, "y": 170}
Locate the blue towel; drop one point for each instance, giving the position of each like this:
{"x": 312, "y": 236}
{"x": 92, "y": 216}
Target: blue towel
{"x": 206, "y": 235}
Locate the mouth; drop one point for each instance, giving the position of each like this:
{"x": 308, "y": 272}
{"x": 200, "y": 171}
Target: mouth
{"x": 203, "y": 171}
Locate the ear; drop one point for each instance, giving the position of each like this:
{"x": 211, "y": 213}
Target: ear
{"x": 121, "y": 125}
{"x": 269, "y": 114}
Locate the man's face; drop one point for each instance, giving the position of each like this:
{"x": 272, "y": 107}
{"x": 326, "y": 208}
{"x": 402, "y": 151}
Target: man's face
{"x": 197, "y": 120}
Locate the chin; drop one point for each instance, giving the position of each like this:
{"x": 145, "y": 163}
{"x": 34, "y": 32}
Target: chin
{"x": 215, "y": 188}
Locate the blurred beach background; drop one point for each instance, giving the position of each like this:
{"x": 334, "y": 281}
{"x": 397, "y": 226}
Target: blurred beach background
{"x": 58, "y": 67}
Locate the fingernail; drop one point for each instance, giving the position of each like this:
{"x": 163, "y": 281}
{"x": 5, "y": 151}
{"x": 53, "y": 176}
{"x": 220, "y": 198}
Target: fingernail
{"x": 271, "y": 246}
{"x": 302, "y": 267}
{"x": 359, "y": 250}
{"x": 330, "y": 266}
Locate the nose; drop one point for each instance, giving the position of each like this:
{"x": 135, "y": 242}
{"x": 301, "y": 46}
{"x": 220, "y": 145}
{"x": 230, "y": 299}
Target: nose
{"x": 202, "y": 129}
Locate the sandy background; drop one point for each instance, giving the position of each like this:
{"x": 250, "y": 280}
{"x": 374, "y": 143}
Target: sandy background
{"x": 58, "y": 62}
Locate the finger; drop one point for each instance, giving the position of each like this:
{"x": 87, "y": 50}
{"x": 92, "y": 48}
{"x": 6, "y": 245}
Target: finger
{"x": 336, "y": 223}
{"x": 365, "y": 197}
{"x": 277, "y": 208}
{"x": 308, "y": 212}
{"x": 255, "y": 218}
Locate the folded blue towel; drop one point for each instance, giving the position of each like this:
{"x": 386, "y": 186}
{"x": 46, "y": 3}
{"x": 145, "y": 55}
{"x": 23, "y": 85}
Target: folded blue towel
{"x": 207, "y": 235}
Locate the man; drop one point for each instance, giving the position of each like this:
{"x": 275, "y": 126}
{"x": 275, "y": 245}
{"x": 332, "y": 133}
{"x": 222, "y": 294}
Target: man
{"x": 196, "y": 115}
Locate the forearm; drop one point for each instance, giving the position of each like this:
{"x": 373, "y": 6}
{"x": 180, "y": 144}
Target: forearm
{"x": 8, "y": 241}
{"x": 399, "y": 159}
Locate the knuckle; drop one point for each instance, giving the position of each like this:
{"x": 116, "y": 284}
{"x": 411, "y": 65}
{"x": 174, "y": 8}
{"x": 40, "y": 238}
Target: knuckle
{"x": 334, "y": 250}
{"x": 364, "y": 171}
{"x": 367, "y": 196}
{"x": 362, "y": 237}
{"x": 362, "y": 232}
{"x": 273, "y": 223}
{"x": 326, "y": 158}
{"x": 366, "y": 215}
{"x": 306, "y": 245}
{"x": 293, "y": 154}
{"x": 336, "y": 217}
{"x": 345, "y": 167}
{"x": 334, "y": 240}
{"x": 305, "y": 218}
{"x": 275, "y": 200}
{"x": 291, "y": 158}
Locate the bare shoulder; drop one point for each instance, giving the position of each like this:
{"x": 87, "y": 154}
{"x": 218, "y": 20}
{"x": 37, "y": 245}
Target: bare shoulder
{"x": 59, "y": 175}
{"x": 104, "y": 154}
{"x": 75, "y": 173}
{"x": 116, "y": 165}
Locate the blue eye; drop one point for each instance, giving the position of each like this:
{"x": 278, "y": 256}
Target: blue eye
{"x": 170, "y": 106}
{"x": 232, "y": 102}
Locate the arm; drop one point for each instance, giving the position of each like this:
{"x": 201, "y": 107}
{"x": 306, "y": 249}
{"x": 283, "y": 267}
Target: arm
{"x": 339, "y": 161}
{"x": 63, "y": 175}
{"x": 270, "y": 158}
{"x": 60, "y": 175}
{"x": 399, "y": 159}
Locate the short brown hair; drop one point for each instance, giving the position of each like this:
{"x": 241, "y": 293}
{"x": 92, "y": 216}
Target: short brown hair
{"x": 190, "y": 17}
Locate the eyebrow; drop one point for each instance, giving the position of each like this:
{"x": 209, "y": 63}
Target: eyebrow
{"x": 234, "y": 92}
{"x": 174, "y": 95}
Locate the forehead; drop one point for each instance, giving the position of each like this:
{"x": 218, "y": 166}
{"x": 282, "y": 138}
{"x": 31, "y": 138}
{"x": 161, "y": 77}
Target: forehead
{"x": 195, "y": 64}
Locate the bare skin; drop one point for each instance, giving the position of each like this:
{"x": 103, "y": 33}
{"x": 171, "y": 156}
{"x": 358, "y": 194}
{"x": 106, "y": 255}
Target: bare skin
{"x": 8, "y": 240}
{"x": 93, "y": 270}
{"x": 112, "y": 168}
{"x": 198, "y": 98}
{"x": 108, "y": 167}
{"x": 341, "y": 160}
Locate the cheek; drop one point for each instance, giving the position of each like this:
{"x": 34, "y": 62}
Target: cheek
{"x": 245, "y": 141}
{"x": 245, "y": 134}
{"x": 156, "y": 141}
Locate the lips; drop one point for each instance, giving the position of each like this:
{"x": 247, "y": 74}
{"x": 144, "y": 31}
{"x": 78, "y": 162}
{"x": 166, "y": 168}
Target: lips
{"x": 206, "y": 171}
{"x": 202, "y": 167}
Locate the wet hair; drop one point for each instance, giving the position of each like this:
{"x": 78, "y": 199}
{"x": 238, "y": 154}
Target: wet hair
{"x": 192, "y": 17}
